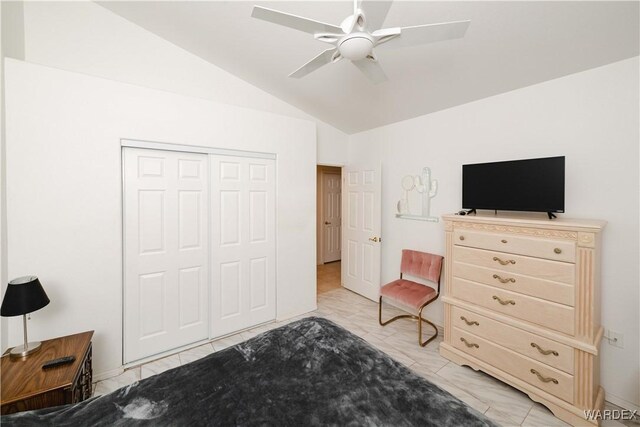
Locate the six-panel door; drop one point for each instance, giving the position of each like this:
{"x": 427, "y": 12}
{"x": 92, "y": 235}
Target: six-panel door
{"x": 165, "y": 250}
{"x": 331, "y": 217}
{"x": 243, "y": 243}
{"x": 361, "y": 233}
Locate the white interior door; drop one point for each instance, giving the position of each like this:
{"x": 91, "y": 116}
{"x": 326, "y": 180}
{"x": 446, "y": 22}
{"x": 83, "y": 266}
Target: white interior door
{"x": 165, "y": 250}
{"x": 243, "y": 252}
{"x": 331, "y": 216}
{"x": 361, "y": 231}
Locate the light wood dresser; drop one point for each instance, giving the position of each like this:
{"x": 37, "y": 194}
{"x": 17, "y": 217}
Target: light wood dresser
{"x": 522, "y": 303}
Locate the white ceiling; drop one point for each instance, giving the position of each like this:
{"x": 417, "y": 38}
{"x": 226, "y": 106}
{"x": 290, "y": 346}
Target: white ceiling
{"x": 508, "y": 45}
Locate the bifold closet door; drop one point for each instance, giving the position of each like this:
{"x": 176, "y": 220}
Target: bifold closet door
{"x": 166, "y": 250}
{"x": 243, "y": 249}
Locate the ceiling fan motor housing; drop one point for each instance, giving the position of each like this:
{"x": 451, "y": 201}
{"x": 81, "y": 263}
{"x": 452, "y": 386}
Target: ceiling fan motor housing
{"x": 356, "y": 46}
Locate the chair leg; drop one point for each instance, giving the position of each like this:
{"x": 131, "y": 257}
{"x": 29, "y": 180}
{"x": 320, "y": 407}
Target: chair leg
{"x": 420, "y": 320}
{"x": 410, "y": 316}
{"x": 393, "y": 319}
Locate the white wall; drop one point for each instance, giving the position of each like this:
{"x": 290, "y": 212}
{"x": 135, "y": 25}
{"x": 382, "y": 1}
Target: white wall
{"x": 64, "y": 191}
{"x": 11, "y": 44}
{"x": 589, "y": 117}
{"x": 3, "y": 197}
{"x": 332, "y": 146}
{"x": 87, "y": 38}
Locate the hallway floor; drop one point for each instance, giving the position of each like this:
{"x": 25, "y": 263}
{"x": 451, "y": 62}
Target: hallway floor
{"x": 328, "y": 277}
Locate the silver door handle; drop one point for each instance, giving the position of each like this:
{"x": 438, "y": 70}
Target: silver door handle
{"x": 375, "y": 239}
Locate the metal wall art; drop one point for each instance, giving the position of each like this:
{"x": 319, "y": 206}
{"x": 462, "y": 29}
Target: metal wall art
{"x": 417, "y": 192}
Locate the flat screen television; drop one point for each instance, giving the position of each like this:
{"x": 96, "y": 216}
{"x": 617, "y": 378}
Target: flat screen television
{"x": 535, "y": 185}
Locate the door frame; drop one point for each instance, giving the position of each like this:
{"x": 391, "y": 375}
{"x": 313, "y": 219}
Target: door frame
{"x": 320, "y": 209}
{"x": 320, "y": 172}
{"x": 196, "y": 149}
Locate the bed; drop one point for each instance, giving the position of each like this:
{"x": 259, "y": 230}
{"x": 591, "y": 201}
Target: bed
{"x": 309, "y": 372}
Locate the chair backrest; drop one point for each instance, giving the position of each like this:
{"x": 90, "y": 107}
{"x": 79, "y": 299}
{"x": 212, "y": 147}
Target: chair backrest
{"x": 421, "y": 264}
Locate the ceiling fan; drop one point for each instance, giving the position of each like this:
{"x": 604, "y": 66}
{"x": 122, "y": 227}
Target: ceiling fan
{"x": 359, "y": 34}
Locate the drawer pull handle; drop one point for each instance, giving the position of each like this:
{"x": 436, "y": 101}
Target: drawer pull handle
{"x": 470, "y": 323}
{"x": 503, "y": 262}
{"x": 503, "y": 241}
{"x": 509, "y": 301}
{"x": 557, "y": 250}
{"x": 545, "y": 352}
{"x": 461, "y": 237}
{"x": 469, "y": 344}
{"x": 544, "y": 379}
{"x": 507, "y": 280}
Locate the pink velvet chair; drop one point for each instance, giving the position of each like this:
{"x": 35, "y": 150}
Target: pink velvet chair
{"x": 413, "y": 296}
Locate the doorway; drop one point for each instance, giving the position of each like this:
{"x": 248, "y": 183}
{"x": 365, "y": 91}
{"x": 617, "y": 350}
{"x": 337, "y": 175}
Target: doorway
{"x": 329, "y": 228}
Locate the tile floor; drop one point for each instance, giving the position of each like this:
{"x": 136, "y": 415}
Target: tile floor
{"x": 498, "y": 401}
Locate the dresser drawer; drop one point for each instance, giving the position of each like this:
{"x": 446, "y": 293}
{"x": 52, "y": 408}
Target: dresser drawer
{"x": 553, "y": 381}
{"x": 557, "y": 250}
{"x": 540, "y": 268}
{"x": 561, "y": 293}
{"x": 544, "y": 313}
{"x": 544, "y": 350}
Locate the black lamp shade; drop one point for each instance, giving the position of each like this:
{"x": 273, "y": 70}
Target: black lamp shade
{"x": 24, "y": 295}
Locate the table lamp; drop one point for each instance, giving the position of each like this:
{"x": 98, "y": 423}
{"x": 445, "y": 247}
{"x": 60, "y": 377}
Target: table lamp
{"x": 23, "y": 296}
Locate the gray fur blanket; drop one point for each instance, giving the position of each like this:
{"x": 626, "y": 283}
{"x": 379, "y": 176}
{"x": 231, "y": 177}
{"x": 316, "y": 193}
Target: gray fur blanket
{"x": 309, "y": 372}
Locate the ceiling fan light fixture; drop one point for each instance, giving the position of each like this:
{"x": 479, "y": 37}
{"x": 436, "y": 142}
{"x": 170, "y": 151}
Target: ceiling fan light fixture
{"x": 356, "y": 38}
{"x": 356, "y": 47}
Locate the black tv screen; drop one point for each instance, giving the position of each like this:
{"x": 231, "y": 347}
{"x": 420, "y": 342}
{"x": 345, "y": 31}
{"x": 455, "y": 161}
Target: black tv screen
{"x": 535, "y": 185}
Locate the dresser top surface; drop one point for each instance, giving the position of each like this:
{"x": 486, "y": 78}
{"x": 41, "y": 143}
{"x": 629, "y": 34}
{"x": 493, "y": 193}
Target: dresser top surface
{"x": 24, "y": 377}
{"x": 530, "y": 219}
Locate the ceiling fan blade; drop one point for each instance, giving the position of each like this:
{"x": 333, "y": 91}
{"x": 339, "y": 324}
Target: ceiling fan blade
{"x": 294, "y": 21}
{"x": 422, "y": 34}
{"x": 375, "y": 13}
{"x": 323, "y": 59}
{"x": 371, "y": 69}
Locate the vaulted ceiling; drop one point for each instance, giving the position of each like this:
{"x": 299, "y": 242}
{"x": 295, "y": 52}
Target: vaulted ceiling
{"x": 509, "y": 45}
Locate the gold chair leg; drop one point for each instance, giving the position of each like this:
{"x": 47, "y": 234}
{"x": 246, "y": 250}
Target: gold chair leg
{"x": 393, "y": 319}
{"x": 420, "y": 320}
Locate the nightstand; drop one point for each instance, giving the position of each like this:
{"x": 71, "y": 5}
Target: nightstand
{"x": 26, "y": 386}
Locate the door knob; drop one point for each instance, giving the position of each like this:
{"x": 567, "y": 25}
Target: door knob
{"x": 327, "y": 223}
{"x": 375, "y": 239}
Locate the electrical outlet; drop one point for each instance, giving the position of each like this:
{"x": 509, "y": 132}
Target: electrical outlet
{"x": 616, "y": 339}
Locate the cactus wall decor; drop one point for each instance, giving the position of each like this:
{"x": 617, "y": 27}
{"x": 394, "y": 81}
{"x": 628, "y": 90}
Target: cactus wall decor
{"x": 426, "y": 188}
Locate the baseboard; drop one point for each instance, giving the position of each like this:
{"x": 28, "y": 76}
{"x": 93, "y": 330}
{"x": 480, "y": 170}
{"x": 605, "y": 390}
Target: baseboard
{"x": 291, "y": 314}
{"x": 618, "y": 401}
{"x": 107, "y": 374}
{"x": 171, "y": 352}
{"x": 115, "y": 372}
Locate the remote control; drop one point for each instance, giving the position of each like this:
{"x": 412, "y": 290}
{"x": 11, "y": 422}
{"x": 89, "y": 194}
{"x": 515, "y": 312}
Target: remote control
{"x": 57, "y": 362}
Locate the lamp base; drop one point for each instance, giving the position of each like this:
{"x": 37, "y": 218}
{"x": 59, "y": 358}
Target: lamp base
{"x": 20, "y": 351}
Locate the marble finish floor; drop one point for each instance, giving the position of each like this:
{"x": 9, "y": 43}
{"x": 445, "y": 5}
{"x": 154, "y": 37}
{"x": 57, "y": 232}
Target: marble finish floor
{"x": 498, "y": 401}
